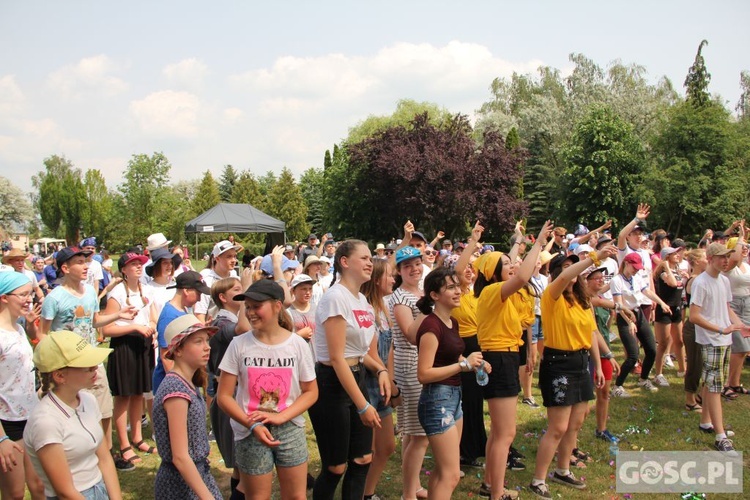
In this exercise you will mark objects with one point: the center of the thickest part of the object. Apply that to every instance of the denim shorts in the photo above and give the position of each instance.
(96, 492)
(255, 458)
(439, 407)
(536, 330)
(371, 381)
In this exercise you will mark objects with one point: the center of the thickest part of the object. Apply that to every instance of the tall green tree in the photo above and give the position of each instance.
(14, 205)
(247, 190)
(227, 182)
(327, 162)
(697, 80)
(604, 165)
(208, 195)
(266, 183)
(97, 207)
(285, 202)
(73, 203)
(49, 184)
(312, 187)
(143, 190)
(743, 105)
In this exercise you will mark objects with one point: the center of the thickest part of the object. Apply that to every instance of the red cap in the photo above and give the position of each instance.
(635, 260)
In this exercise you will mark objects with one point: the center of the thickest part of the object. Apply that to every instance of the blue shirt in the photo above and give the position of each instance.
(69, 312)
(168, 314)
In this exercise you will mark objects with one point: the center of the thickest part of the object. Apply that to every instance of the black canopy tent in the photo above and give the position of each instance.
(238, 218)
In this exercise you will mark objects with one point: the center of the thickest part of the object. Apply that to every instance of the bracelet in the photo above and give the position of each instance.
(256, 424)
(363, 410)
(281, 281)
(6, 437)
(592, 255)
(396, 395)
(380, 371)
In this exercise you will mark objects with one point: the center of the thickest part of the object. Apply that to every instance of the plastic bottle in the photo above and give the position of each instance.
(482, 377)
(614, 449)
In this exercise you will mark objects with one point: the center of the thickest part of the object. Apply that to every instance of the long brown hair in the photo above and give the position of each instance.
(371, 290)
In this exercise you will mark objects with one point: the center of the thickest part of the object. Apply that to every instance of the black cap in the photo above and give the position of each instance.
(68, 253)
(559, 259)
(191, 280)
(603, 241)
(417, 234)
(262, 290)
(678, 243)
(312, 236)
(719, 236)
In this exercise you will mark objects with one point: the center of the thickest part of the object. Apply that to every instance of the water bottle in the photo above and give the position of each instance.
(482, 377)
(614, 449)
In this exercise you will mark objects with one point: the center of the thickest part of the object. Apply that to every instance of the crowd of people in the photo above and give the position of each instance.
(332, 331)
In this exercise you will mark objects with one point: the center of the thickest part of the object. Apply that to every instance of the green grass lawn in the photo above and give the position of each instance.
(649, 421)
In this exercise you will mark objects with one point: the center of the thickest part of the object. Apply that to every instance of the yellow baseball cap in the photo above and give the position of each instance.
(67, 350)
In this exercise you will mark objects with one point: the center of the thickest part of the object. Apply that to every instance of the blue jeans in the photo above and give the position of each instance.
(96, 492)
(385, 339)
(439, 408)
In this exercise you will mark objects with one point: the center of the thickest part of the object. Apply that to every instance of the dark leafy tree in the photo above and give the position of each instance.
(327, 161)
(743, 105)
(49, 184)
(227, 182)
(697, 80)
(208, 195)
(246, 190)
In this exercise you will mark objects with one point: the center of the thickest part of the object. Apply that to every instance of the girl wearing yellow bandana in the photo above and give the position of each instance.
(498, 331)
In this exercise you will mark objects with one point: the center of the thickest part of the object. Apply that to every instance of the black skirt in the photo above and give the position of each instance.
(131, 365)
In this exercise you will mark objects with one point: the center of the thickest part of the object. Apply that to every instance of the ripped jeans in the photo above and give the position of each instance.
(439, 407)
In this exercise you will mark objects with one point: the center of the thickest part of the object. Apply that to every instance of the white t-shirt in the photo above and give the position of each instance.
(122, 294)
(739, 281)
(644, 273)
(209, 278)
(713, 296)
(95, 274)
(359, 317)
(539, 282)
(161, 295)
(630, 290)
(77, 429)
(612, 269)
(17, 393)
(30, 274)
(268, 376)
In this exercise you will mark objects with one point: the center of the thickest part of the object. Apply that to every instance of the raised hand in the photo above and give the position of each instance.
(545, 233)
(643, 210)
(476, 233)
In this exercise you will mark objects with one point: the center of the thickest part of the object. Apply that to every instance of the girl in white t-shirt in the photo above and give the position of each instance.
(273, 371)
(63, 437)
(17, 394)
(345, 332)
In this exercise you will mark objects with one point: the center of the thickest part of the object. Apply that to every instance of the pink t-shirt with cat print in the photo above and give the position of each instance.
(268, 376)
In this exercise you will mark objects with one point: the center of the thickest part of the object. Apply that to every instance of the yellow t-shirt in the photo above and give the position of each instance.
(566, 327)
(466, 315)
(524, 302)
(498, 322)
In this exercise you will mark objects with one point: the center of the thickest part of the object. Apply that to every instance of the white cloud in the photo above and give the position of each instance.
(91, 75)
(12, 99)
(188, 72)
(232, 115)
(168, 113)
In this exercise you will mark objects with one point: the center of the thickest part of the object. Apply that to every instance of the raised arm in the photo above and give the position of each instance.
(517, 239)
(465, 258)
(559, 284)
(640, 216)
(526, 269)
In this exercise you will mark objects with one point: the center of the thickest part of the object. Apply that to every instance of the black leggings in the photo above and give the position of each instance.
(474, 436)
(645, 335)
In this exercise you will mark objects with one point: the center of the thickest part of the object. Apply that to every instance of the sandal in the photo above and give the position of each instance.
(149, 449)
(739, 389)
(696, 407)
(728, 394)
(424, 494)
(582, 455)
(698, 399)
(577, 462)
(135, 459)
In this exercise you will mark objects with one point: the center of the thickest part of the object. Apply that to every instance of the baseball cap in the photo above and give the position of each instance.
(288, 248)
(678, 243)
(558, 261)
(407, 253)
(191, 280)
(66, 254)
(635, 260)
(719, 236)
(266, 265)
(181, 328)
(129, 257)
(603, 241)
(417, 234)
(88, 242)
(717, 250)
(591, 270)
(580, 230)
(261, 291)
(67, 349)
(666, 251)
(223, 246)
(312, 236)
(583, 248)
(302, 278)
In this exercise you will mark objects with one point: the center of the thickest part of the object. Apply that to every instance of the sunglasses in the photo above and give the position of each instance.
(389, 252)
(430, 252)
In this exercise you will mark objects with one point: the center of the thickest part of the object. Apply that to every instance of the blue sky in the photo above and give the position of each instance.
(266, 86)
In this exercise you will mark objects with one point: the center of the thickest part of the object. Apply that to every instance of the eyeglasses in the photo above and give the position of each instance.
(24, 295)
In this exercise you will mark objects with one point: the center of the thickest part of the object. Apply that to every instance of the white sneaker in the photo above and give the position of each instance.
(661, 381)
(646, 384)
(681, 374)
(613, 337)
(668, 362)
(619, 391)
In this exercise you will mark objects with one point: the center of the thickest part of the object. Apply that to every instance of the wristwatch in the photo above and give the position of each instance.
(464, 365)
